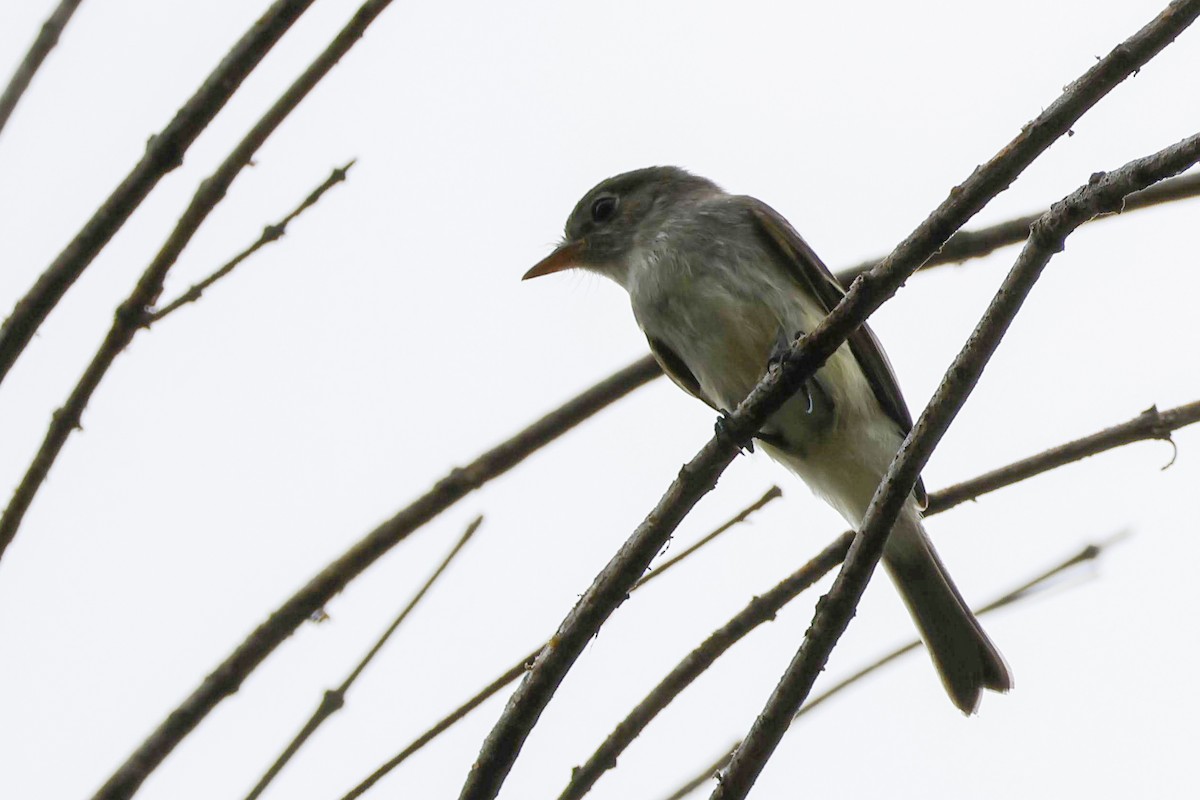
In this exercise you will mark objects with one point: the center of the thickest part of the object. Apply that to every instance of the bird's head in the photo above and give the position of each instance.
(617, 215)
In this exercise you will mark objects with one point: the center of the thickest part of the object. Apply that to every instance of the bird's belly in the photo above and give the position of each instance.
(726, 337)
(726, 341)
(724, 327)
(729, 354)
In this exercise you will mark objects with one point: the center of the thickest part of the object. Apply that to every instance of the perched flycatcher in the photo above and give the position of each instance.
(721, 284)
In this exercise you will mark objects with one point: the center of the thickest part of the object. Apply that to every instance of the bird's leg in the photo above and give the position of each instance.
(722, 429)
(811, 387)
(780, 350)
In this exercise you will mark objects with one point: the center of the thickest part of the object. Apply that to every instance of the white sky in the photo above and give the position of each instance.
(242, 444)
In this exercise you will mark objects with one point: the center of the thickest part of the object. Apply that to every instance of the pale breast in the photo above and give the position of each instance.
(722, 320)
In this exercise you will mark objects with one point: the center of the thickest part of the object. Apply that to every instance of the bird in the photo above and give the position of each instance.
(720, 285)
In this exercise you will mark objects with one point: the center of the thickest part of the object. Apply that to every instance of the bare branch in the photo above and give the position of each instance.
(228, 676)
(1088, 553)
(164, 152)
(1150, 424)
(270, 234)
(696, 478)
(968, 244)
(1102, 193)
(46, 40)
(773, 493)
(514, 672)
(761, 609)
(517, 669)
(333, 699)
(132, 313)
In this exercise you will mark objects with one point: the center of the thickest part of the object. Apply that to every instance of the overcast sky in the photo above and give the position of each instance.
(243, 443)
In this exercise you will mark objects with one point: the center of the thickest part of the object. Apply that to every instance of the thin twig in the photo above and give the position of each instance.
(164, 152)
(761, 609)
(132, 313)
(518, 669)
(227, 678)
(514, 672)
(269, 234)
(1088, 553)
(1150, 424)
(1102, 193)
(968, 244)
(46, 40)
(333, 699)
(869, 291)
(773, 493)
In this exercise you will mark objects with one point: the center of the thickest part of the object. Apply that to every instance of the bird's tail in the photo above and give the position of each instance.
(966, 659)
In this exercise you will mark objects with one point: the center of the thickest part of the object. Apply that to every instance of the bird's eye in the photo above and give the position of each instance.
(603, 208)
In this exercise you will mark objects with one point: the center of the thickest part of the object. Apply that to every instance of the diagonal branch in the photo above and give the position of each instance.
(164, 153)
(774, 493)
(1088, 553)
(68, 417)
(46, 41)
(228, 676)
(699, 476)
(1102, 193)
(762, 608)
(517, 669)
(271, 233)
(968, 244)
(333, 699)
(1150, 424)
(132, 313)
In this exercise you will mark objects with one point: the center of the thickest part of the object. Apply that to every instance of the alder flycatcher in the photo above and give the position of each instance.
(721, 284)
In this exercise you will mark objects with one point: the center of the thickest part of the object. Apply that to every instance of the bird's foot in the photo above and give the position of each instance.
(814, 393)
(818, 399)
(780, 350)
(722, 429)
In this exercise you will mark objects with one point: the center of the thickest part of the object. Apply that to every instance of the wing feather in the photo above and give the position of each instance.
(676, 370)
(808, 271)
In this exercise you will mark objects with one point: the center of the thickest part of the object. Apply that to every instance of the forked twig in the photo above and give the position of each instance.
(131, 314)
(270, 233)
(164, 152)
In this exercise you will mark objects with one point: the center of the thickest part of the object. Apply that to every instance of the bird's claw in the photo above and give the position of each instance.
(722, 429)
(779, 353)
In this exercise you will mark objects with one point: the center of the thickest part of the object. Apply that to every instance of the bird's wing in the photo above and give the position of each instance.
(676, 370)
(807, 269)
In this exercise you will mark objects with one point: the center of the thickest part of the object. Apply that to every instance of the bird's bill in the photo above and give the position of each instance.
(566, 256)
